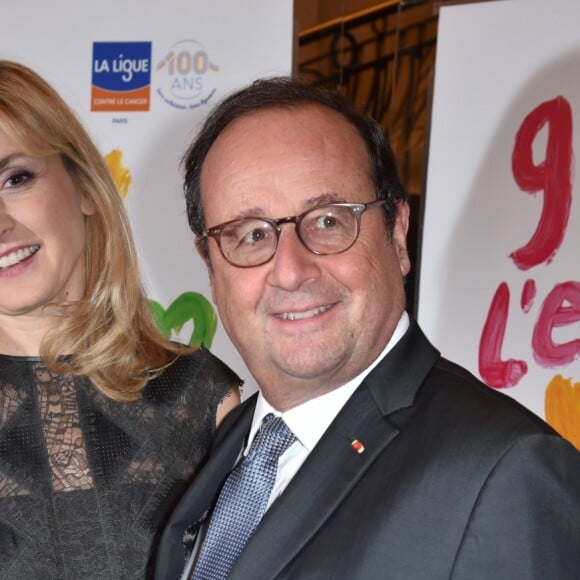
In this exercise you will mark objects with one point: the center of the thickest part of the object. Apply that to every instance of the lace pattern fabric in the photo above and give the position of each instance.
(86, 482)
(59, 413)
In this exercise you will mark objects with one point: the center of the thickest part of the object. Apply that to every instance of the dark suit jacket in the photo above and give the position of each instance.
(456, 481)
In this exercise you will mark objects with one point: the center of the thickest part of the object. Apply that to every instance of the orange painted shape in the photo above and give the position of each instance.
(562, 407)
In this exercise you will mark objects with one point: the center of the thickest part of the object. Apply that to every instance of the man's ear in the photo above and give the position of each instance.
(400, 230)
(202, 250)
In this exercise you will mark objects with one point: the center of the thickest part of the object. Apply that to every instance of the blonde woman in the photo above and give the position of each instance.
(102, 420)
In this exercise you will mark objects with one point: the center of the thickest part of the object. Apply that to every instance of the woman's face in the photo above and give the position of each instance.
(42, 232)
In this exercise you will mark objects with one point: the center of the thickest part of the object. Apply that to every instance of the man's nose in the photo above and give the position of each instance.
(293, 263)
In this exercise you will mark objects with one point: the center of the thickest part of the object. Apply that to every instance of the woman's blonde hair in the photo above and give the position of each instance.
(109, 335)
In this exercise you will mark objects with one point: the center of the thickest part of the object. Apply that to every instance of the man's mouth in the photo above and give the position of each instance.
(17, 256)
(305, 314)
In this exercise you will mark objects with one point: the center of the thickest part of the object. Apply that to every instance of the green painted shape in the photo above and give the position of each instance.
(187, 306)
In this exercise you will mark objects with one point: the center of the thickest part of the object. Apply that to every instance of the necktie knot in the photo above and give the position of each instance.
(273, 438)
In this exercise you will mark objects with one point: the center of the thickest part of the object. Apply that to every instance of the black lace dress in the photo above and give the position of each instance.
(85, 482)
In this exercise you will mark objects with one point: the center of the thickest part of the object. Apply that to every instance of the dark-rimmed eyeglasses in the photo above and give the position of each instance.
(327, 229)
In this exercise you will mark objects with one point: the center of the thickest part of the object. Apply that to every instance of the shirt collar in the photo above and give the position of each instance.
(310, 420)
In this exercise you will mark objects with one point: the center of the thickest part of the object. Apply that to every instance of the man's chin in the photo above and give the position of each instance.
(308, 364)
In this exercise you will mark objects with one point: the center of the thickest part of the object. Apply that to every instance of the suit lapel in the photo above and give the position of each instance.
(334, 467)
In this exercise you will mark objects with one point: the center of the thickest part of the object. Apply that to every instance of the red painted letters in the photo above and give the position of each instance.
(553, 176)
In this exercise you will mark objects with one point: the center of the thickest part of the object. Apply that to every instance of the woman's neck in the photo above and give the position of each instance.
(23, 335)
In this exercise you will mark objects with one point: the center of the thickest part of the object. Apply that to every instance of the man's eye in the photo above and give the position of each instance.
(254, 237)
(325, 222)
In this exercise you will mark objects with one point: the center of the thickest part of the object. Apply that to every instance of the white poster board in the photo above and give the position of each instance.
(142, 75)
(499, 279)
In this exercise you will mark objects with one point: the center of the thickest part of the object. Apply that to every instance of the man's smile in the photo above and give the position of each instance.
(304, 314)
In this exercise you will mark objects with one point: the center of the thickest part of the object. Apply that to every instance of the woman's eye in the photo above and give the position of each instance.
(17, 178)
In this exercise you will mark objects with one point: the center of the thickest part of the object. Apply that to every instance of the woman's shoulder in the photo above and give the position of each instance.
(198, 373)
(202, 361)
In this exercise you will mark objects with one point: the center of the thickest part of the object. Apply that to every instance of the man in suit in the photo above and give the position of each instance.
(404, 466)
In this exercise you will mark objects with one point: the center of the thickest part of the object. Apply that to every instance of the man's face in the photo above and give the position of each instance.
(344, 307)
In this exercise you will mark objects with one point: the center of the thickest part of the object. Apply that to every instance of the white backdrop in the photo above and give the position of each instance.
(499, 290)
(181, 57)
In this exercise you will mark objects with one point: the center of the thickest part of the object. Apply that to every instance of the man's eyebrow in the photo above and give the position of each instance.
(323, 199)
(250, 213)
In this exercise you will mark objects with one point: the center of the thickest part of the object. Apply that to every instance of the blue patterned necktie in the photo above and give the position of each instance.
(242, 501)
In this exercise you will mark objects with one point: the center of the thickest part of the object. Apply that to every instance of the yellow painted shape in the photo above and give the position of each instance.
(121, 174)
